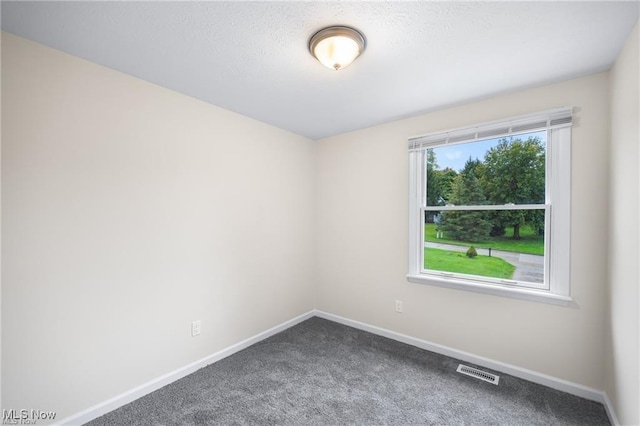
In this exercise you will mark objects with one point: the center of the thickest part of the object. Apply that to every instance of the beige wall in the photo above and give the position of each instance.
(362, 241)
(129, 211)
(623, 356)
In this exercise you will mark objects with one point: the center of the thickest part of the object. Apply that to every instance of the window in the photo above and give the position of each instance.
(490, 207)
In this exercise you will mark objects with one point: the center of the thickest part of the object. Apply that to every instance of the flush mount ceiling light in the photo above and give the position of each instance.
(336, 47)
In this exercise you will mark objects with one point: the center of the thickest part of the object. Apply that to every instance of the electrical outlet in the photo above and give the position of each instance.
(195, 328)
(399, 306)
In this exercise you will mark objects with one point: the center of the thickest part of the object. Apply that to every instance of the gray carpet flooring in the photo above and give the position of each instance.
(323, 373)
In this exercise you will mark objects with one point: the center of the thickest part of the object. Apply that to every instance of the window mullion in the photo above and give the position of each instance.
(488, 207)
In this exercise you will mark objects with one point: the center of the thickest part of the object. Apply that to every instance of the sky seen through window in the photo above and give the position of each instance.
(455, 156)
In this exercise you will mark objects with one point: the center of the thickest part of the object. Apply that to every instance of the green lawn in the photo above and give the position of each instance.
(453, 261)
(531, 243)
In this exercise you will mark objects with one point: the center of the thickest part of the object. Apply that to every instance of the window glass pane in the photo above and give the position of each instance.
(508, 244)
(489, 172)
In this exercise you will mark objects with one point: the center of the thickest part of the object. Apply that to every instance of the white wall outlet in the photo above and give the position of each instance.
(195, 328)
(398, 305)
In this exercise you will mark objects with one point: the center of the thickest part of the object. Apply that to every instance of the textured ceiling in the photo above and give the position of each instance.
(252, 58)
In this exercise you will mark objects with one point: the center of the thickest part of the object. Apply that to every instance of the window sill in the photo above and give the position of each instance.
(515, 293)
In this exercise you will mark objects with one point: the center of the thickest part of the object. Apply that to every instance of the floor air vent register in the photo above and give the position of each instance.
(478, 374)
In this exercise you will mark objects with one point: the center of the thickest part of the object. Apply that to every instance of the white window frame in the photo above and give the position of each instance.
(556, 289)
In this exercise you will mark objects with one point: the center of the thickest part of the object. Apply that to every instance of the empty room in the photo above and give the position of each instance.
(320, 213)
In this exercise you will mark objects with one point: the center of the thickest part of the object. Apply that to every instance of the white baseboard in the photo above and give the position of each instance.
(523, 373)
(610, 411)
(155, 384)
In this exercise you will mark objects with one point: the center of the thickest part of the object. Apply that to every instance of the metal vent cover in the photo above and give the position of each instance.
(478, 374)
